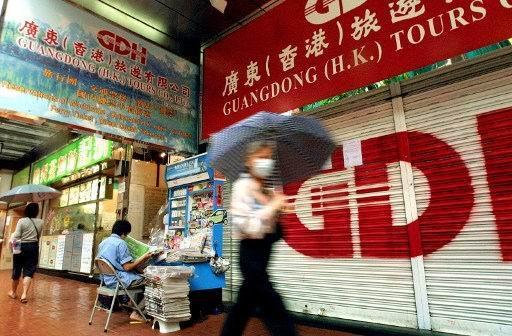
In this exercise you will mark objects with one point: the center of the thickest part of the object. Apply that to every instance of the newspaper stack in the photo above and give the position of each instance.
(167, 293)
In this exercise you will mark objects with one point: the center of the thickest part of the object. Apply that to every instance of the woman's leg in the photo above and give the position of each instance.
(27, 281)
(239, 315)
(14, 288)
(31, 257)
(274, 314)
(17, 266)
(250, 261)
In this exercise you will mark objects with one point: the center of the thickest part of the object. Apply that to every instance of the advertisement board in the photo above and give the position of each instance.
(62, 63)
(303, 51)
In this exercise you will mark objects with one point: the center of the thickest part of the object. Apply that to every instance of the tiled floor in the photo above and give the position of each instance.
(61, 307)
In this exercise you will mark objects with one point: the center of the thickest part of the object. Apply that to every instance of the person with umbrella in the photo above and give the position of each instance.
(28, 231)
(266, 148)
(25, 239)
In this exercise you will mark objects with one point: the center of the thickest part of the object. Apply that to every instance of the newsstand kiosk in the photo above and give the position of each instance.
(194, 227)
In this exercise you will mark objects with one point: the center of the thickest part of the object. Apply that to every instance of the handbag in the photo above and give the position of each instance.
(35, 227)
(15, 245)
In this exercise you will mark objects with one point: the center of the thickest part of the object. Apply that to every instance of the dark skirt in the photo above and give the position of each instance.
(26, 261)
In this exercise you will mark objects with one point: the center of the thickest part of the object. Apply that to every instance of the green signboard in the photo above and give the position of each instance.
(22, 177)
(79, 154)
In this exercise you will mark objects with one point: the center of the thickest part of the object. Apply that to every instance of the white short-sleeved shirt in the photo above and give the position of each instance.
(26, 229)
(250, 219)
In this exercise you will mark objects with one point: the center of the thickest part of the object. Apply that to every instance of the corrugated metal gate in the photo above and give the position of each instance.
(414, 236)
(469, 284)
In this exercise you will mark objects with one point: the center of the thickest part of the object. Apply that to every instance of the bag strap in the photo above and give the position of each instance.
(35, 227)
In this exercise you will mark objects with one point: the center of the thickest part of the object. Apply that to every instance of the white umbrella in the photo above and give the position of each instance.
(29, 193)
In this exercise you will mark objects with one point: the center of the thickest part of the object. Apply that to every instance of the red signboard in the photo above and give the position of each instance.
(303, 51)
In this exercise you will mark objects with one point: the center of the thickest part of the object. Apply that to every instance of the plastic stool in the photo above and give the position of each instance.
(166, 327)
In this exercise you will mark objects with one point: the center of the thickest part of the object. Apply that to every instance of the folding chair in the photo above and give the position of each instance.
(106, 268)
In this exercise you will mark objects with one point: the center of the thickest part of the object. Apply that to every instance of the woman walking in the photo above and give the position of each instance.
(28, 231)
(255, 211)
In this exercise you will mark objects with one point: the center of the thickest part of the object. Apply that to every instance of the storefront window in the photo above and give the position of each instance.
(73, 218)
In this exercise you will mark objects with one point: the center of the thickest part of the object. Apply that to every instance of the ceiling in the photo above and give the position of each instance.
(24, 139)
(180, 26)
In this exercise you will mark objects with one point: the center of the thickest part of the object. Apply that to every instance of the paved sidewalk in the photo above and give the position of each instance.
(62, 307)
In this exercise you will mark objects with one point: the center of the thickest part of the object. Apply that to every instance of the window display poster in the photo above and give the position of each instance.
(52, 255)
(87, 245)
(103, 186)
(94, 190)
(59, 257)
(74, 195)
(85, 192)
(64, 198)
(45, 252)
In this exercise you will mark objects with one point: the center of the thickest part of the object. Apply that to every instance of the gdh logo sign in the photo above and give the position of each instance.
(122, 46)
(448, 204)
(321, 11)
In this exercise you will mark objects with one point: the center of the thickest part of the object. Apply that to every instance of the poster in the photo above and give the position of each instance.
(87, 246)
(59, 257)
(62, 63)
(352, 153)
(64, 198)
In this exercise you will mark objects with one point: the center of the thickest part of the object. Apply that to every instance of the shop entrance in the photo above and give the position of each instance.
(86, 169)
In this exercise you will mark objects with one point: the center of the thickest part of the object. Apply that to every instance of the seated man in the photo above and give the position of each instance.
(115, 250)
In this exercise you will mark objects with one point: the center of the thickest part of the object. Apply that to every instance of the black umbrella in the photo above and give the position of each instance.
(303, 145)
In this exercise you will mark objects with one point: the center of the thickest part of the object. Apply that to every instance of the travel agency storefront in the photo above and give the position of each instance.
(409, 224)
(119, 97)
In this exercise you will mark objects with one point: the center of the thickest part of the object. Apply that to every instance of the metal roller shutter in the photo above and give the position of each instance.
(446, 195)
(343, 275)
(469, 284)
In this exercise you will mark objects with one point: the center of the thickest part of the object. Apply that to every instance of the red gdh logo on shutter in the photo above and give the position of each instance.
(451, 201)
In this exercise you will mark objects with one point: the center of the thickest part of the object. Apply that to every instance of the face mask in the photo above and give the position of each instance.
(263, 167)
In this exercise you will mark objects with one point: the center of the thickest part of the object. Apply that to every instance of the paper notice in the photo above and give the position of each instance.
(121, 187)
(352, 154)
(327, 164)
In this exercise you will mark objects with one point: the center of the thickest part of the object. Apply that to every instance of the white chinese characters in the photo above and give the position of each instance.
(406, 9)
(252, 74)
(231, 86)
(317, 44)
(364, 26)
(287, 57)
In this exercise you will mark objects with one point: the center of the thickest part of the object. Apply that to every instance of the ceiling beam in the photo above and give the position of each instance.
(11, 134)
(24, 141)
(49, 146)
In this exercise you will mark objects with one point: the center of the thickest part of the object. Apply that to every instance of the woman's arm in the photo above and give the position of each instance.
(254, 221)
(17, 233)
